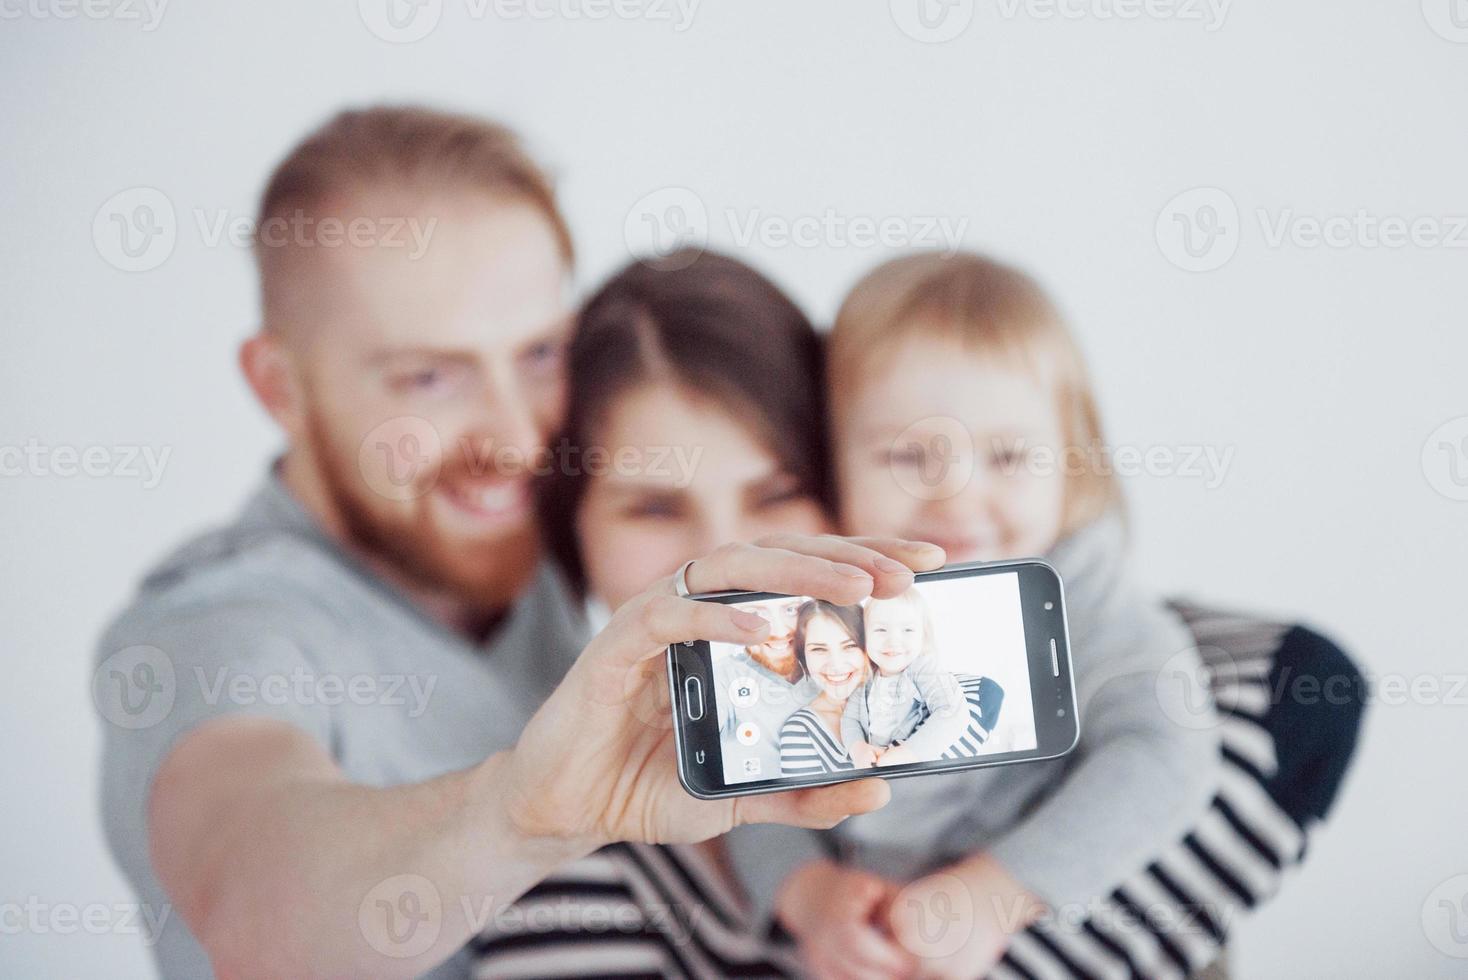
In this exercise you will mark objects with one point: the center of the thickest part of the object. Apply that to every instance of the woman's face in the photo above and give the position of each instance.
(833, 658)
(681, 477)
(941, 444)
(894, 634)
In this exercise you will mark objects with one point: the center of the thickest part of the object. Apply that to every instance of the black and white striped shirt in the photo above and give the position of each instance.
(1283, 760)
(807, 747)
(631, 910)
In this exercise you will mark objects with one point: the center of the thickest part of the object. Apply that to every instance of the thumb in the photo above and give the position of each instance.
(820, 807)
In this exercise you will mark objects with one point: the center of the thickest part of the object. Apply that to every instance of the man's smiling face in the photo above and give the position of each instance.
(430, 383)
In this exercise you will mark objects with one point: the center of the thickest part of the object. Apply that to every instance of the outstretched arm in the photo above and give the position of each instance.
(281, 866)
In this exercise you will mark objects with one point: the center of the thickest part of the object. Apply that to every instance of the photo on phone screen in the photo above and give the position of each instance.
(940, 676)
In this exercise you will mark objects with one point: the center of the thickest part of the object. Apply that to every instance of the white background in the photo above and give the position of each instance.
(979, 628)
(1324, 370)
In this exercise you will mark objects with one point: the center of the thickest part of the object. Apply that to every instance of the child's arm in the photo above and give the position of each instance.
(854, 732)
(1146, 767)
(947, 710)
(852, 729)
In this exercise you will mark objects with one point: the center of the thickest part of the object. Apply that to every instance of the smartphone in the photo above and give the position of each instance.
(967, 669)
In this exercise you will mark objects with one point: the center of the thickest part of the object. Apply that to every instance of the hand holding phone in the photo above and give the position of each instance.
(596, 763)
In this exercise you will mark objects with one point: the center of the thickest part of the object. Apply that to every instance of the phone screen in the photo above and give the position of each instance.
(939, 673)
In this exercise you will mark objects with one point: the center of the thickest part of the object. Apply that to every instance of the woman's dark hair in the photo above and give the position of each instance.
(849, 617)
(713, 327)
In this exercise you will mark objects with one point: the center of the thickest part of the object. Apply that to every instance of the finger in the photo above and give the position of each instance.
(890, 561)
(749, 568)
(820, 807)
(876, 953)
(644, 627)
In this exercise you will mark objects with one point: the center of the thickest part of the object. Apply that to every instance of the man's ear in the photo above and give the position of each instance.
(267, 367)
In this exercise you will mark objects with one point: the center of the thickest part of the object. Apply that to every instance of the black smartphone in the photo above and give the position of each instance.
(969, 668)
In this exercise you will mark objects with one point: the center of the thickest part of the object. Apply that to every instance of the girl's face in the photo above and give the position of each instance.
(894, 635)
(942, 444)
(833, 658)
(676, 479)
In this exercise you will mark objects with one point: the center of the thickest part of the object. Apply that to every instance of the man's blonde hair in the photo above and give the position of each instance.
(991, 309)
(386, 147)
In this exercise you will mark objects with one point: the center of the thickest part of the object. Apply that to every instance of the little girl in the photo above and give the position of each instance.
(962, 415)
(910, 709)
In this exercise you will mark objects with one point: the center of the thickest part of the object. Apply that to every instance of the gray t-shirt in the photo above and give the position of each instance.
(748, 692)
(266, 617)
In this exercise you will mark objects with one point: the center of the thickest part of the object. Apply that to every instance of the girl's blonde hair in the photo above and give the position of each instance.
(991, 309)
(913, 598)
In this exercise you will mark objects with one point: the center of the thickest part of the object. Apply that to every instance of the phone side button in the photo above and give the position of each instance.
(693, 692)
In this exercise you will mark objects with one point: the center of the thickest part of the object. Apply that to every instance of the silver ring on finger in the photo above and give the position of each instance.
(680, 581)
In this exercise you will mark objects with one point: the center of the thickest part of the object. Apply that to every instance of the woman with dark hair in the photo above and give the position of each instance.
(828, 646)
(696, 417)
